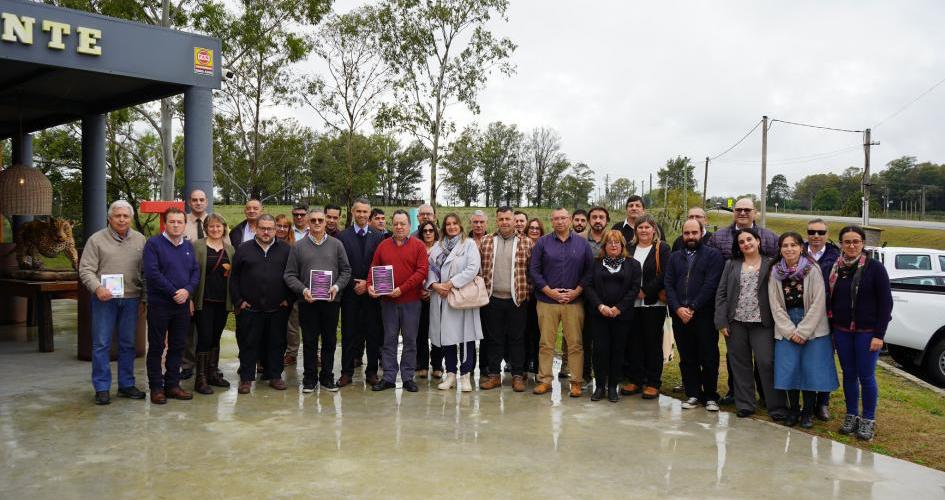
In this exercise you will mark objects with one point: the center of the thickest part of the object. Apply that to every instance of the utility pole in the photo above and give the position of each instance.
(886, 202)
(923, 204)
(865, 187)
(764, 169)
(705, 182)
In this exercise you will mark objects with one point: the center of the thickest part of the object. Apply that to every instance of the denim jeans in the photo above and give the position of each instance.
(120, 314)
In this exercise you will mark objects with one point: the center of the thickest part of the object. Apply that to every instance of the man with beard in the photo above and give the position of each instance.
(579, 222)
(599, 218)
(692, 277)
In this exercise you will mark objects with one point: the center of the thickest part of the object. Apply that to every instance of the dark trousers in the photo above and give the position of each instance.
(751, 349)
(400, 319)
(532, 335)
(698, 343)
(794, 402)
(211, 320)
(261, 335)
(427, 354)
(644, 352)
(318, 320)
(360, 325)
(463, 354)
(506, 338)
(610, 343)
(166, 324)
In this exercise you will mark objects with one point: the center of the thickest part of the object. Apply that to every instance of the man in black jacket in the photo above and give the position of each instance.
(360, 314)
(825, 253)
(261, 302)
(635, 208)
(244, 231)
(695, 213)
(692, 278)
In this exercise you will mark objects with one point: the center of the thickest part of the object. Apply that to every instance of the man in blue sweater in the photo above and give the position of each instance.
(691, 280)
(171, 274)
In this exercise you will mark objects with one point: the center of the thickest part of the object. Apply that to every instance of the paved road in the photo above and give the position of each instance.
(920, 224)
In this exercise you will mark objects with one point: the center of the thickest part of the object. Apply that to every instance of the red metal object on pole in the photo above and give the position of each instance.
(159, 207)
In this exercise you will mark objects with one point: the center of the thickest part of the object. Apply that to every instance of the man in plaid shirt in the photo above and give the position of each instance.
(505, 259)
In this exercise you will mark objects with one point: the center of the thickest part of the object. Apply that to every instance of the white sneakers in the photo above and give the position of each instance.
(448, 382)
(464, 384)
(690, 403)
(711, 406)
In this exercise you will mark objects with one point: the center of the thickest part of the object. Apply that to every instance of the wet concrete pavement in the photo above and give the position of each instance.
(54, 442)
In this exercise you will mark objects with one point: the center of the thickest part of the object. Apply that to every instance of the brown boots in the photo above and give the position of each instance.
(201, 375)
(214, 375)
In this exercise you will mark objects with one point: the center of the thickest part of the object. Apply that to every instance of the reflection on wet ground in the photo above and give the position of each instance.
(356, 443)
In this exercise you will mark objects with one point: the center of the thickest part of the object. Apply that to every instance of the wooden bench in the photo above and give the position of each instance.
(40, 295)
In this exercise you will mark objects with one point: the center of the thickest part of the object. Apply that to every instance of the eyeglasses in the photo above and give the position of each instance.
(299, 214)
(428, 231)
(743, 210)
(818, 232)
(851, 243)
(316, 221)
(533, 228)
(616, 243)
(265, 229)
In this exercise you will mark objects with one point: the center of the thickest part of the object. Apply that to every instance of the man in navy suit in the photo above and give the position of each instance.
(360, 314)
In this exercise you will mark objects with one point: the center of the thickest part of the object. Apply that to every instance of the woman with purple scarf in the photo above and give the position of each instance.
(803, 352)
(860, 308)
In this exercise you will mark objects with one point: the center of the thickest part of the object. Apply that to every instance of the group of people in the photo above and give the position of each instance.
(783, 305)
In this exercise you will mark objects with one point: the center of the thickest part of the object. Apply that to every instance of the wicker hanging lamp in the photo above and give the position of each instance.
(25, 191)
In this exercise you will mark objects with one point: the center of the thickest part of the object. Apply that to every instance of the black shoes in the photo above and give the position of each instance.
(383, 385)
(729, 399)
(851, 423)
(131, 392)
(613, 394)
(329, 385)
(744, 413)
(790, 420)
(102, 398)
(186, 373)
(822, 413)
(410, 386)
(598, 393)
(807, 421)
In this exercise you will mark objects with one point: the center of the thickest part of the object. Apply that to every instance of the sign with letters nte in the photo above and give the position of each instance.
(22, 29)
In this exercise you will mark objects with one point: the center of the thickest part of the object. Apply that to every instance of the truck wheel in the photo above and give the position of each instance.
(902, 355)
(935, 363)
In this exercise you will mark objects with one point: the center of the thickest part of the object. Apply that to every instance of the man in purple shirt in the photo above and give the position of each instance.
(559, 262)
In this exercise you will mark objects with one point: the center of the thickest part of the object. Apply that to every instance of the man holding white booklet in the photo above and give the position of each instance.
(317, 271)
(111, 270)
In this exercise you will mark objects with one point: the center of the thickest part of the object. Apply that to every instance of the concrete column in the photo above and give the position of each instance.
(198, 142)
(94, 204)
(21, 154)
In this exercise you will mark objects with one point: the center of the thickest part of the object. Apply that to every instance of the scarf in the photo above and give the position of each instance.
(613, 265)
(844, 269)
(448, 244)
(781, 271)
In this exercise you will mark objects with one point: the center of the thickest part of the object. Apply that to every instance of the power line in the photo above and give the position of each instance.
(733, 146)
(910, 103)
(821, 127)
(799, 159)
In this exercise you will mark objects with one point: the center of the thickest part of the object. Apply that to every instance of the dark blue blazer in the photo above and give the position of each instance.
(360, 260)
(693, 287)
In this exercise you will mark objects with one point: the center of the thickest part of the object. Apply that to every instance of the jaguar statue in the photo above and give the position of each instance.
(48, 238)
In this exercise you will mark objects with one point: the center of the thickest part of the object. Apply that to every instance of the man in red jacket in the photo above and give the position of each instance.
(400, 309)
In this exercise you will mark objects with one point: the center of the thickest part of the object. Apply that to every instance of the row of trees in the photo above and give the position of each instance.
(903, 182)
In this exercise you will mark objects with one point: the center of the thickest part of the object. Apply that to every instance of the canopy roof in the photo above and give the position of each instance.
(57, 65)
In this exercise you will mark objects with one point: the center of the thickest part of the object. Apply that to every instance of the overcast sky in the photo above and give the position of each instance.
(630, 84)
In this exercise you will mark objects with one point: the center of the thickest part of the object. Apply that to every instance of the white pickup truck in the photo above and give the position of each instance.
(906, 261)
(916, 335)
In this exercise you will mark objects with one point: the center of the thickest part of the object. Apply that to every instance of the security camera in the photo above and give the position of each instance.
(228, 74)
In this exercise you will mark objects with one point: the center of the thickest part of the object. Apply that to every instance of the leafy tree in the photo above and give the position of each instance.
(401, 171)
(827, 199)
(544, 147)
(333, 182)
(778, 190)
(617, 193)
(460, 165)
(442, 53)
(575, 188)
(356, 77)
(499, 153)
(679, 173)
(262, 42)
